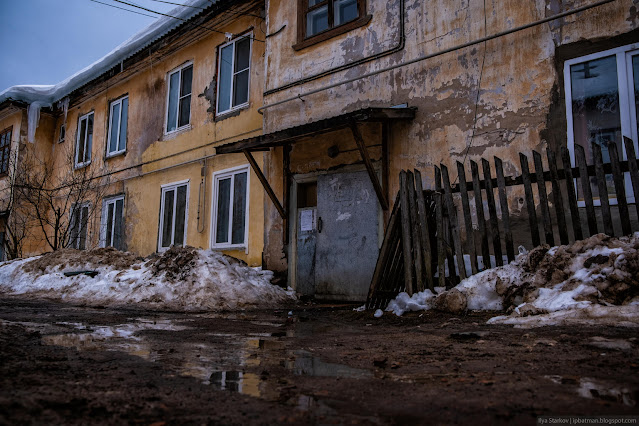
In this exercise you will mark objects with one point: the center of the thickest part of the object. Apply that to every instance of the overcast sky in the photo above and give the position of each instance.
(45, 41)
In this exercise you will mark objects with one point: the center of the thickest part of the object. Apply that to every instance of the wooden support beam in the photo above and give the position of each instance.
(286, 181)
(385, 158)
(369, 166)
(265, 183)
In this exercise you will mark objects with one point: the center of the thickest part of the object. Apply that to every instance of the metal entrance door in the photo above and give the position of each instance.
(347, 236)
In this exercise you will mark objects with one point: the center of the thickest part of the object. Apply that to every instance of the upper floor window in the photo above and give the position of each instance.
(230, 208)
(234, 64)
(62, 133)
(178, 114)
(84, 140)
(321, 19)
(602, 103)
(118, 113)
(5, 150)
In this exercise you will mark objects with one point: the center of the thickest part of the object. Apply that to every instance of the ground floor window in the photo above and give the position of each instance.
(78, 226)
(112, 222)
(230, 208)
(173, 214)
(602, 100)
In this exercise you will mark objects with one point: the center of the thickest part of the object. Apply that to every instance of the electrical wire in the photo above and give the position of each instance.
(121, 8)
(469, 145)
(179, 19)
(178, 4)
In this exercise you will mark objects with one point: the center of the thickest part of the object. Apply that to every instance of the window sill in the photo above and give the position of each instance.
(115, 154)
(333, 32)
(173, 133)
(232, 112)
(237, 247)
(81, 165)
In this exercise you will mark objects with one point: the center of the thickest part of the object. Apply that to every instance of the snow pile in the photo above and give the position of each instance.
(179, 279)
(590, 281)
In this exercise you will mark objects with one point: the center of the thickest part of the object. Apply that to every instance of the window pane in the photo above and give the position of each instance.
(87, 152)
(242, 54)
(73, 234)
(124, 121)
(226, 74)
(117, 230)
(635, 77)
(187, 76)
(84, 222)
(167, 218)
(345, 11)
(109, 225)
(171, 122)
(239, 208)
(223, 205)
(240, 88)
(180, 215)
(185, 111)
(595, 109)
(314, 2)
(115, 121)
(317, 21)
(81, 139)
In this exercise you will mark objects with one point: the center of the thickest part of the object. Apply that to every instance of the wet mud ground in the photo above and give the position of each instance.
(63, 364)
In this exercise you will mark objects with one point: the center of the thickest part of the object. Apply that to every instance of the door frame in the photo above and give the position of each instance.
(297, 179)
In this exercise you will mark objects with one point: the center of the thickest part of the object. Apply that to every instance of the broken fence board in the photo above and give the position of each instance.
(602, 186)
(633, 169)
(620, 189)
(543, 199)
(558, 197)
(425, 231)
(454, 224)
(530, 201)
(406, 232)
(468, 222)
(416, 233)
(580, 157)
(481, 220)
(572, 195)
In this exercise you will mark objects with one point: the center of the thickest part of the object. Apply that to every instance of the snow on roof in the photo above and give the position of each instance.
(48, 94)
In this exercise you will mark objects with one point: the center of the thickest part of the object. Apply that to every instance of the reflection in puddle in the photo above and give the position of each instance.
(247, 363)
(305, 364)
(592, 388)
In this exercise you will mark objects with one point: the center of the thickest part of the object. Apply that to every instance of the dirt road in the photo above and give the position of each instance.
(61, 364)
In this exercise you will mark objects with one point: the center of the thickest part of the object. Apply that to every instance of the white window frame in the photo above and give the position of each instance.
(111, 106)
(75, 244)
(217, 176)
(168, 93)
(103, 220)
(627, 111)
(62, 132)
(79, 165)
(165, 188)
(219, 70)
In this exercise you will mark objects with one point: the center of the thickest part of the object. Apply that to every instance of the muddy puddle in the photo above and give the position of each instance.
(225, 360)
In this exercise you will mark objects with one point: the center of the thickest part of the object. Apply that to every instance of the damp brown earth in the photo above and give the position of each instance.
(313, 364)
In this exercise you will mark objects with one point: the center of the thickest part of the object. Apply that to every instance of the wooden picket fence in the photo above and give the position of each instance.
(423, 245)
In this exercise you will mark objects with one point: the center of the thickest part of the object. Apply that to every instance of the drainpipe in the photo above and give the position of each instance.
(441, 52)
(400, 46)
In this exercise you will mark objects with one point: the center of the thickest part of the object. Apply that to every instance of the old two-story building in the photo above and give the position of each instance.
(357, 90)
(143, 123)
(281, 141)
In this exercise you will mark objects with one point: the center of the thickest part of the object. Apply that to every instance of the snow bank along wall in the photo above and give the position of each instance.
(519, 77)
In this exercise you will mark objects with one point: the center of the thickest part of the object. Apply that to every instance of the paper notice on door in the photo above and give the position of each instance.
(307, 220)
